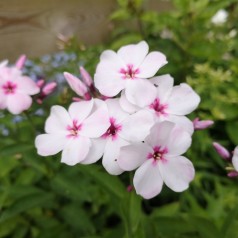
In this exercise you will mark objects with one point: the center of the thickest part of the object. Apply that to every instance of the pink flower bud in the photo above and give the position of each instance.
(40, 83)
(76, 84)
(222, 151)
(75, 99)
(87, 96)
(129, 188)
(203, 124)
(232, 174)
(20, 62)
(86, 76)
(49, 88)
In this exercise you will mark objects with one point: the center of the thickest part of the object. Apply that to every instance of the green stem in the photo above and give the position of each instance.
(33, 128)
(132, 212)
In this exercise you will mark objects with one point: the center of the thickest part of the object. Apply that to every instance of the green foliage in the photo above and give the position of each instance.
(42, 198)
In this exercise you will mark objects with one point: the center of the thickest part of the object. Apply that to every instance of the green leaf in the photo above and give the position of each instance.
(25, 203)
(131, 213)
(232, 130)
(205, 227)
(229, 228)
(14, 149)
(111, 183)
(169, 226)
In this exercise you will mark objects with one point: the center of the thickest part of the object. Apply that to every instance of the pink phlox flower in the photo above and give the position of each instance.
(202, 124)
(128, 68)
(166, 102)
(123, 130)
(15, 89)
(77, 86)
(222, 151)
(74, 132)
(45, 89)
(159, 160)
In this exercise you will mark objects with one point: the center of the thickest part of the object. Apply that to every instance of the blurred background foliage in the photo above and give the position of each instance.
(39, 197)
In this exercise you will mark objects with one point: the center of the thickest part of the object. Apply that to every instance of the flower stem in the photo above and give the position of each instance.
(33, 128)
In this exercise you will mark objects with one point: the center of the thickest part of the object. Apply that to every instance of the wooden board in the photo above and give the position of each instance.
(32, 26)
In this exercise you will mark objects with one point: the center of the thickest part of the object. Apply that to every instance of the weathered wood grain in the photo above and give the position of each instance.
(32, 26)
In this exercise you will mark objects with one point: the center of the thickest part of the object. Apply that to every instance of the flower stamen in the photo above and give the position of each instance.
(129, 72)
(74, 129)
(9, 87)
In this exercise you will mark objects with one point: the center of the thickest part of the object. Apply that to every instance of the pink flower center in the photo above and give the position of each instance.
(129, 72)
(158, 154)
(9, 87)
(160, 109)
(74, 129)
(113, 130)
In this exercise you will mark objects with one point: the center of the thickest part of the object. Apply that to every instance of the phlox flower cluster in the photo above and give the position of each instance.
(130, 118)
(16, 89)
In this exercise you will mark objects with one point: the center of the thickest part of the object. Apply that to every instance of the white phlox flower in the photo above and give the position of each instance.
(159, 160)
(73, 131)
(123, 130)
(167, 102)
(128, 68)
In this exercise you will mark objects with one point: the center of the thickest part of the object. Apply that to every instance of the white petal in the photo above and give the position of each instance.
(111, 154)
(137, 126)
(140, 92)
(132, 156)
(75, 150)
(50, 144)
(126, 105)
(177, 173)
(96, 151)
(115, 110)
(183, 122)
(107, 78)
(178, 142)
(110, 61)
(147, 180)
(26, 85)
(151, 64)
(109, 83)
(159, 134)
(183, 100)
(18, 102)
(96, 124)
(134, 54)
(235, 158)
(58, 120)
(80, 110)
(164, 85)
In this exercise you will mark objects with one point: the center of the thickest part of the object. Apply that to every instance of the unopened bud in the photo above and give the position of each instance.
(20, 62)
(49, 88)
(232, 174)
(76, 84)
(222, 151)
(129, 188)
(86, 76)
(40, 83)
(203, 124)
